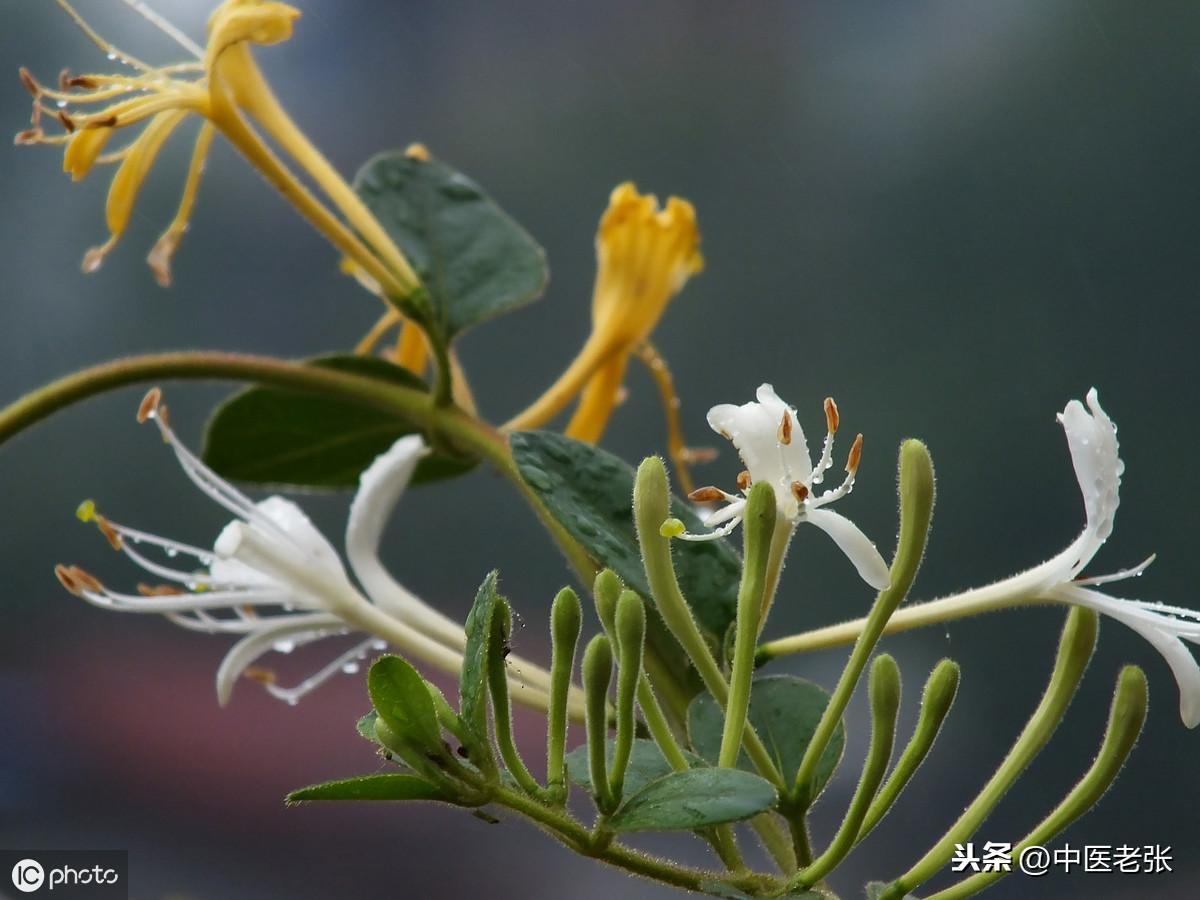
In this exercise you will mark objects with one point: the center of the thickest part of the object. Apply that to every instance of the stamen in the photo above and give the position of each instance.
(63, 574)
(855, 456)
(258, 674)
(31, 85)
(346, 662)
(105, 47)
(149, 405)
(831, 416)
(64, 80)
(85, 580)
(28, 136)
(80, 81)
(706, 495)
(159, 258)
(94, 258)
(743, 480)
(110, 533)
(66, 122)
(785, 429)
(799, 491)
(106, 122)
(159, 590)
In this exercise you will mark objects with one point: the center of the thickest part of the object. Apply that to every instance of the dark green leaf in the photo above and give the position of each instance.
(266, 435)
(784, 711)
(474, 260)
(589, 491)
(646, 764)
(370, 787)
(473, 690)
(697, 798)
(399, 695)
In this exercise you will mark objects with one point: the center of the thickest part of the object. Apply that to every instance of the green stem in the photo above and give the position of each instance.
(884, 691)
(579, 838)
(939, 693)
(916, 512)
(758, 526)
(1074, 650)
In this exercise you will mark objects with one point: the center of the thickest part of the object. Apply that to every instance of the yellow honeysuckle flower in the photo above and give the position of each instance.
(225, 88)
(645, 254)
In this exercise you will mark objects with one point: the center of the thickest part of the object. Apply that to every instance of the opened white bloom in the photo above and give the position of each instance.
(771, 443)
(1092, 438)
(274, 579)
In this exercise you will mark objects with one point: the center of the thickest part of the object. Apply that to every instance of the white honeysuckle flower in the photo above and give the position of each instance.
(274, 579)
(1092, 438)
(771, 443)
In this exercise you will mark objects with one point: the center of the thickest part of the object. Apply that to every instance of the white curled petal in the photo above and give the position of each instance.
(1154, 629)
(852, 542)
(300, 530)
(1092, 439)
(795, 455)
(724, 514)
(243, 654)
(754, 430)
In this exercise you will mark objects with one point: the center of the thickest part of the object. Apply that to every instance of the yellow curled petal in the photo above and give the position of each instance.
(236, 21)
(123, 191)
(82, 150)
(644, 257)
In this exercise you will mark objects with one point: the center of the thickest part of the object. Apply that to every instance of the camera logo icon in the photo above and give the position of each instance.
(28, 875)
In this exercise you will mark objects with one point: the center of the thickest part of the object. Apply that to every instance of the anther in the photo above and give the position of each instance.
(93, 259)
(107, 122)
(66, 122)
(262, 676)
(706, 495)
(698, 455)
(82, 81)
(159, 590)
(855, 456)
(63, 574)
(799, 491)
(831, 416)
(86, 581)
(419, 152)
(106, 529)
(149, 405)
(28, 136)
(743, 480)
(785, 428)
(64, 80)
(30, 83)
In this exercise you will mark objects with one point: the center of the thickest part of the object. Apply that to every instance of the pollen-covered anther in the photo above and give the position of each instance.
(64, 576)
(785, 429)
(159, 590)
(85, 580)
(743, 480)
(799, 491)
(149, 406)
(262, 676)
(30, 82)
(82, 81)
(106, 122)
(831, 416)
(706, 495)
(28, 136)
(855, 456)
(66, 122)
(111, 534)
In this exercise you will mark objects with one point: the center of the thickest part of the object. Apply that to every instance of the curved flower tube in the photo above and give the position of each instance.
(273, 578)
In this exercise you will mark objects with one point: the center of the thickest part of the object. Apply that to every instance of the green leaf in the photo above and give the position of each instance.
(399, 695)
(719, 889)
(473, 689)
(267, 435)
(784, 711)
(366, 726)
(646, 764)
(370, 787)
(474, 261)
(697, 798)
(589, 491)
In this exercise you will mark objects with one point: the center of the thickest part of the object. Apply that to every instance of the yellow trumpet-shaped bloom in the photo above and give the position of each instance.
(644, 254)
(224, 87)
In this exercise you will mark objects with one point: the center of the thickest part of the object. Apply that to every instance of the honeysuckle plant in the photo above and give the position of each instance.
(668, 718)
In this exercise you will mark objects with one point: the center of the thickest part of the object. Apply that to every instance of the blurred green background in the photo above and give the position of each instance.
(952, 217)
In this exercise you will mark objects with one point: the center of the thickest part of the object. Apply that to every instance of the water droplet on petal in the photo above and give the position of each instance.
(284, 646)
(350, 668)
